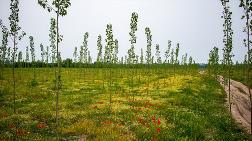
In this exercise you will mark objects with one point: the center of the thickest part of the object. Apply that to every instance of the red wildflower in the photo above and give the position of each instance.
(158, 122)
(158, 130)
(41, 126)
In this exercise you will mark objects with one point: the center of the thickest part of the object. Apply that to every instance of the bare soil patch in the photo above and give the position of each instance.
(240, 102)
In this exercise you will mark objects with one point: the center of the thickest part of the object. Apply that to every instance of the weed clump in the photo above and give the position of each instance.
(32, 83)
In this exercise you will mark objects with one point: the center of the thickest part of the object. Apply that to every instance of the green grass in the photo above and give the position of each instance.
(181, 106)
(240, 74)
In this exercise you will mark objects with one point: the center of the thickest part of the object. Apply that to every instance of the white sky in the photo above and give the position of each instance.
(195, 24)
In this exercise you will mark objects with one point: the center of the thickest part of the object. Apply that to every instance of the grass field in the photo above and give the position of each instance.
(240, 74)
(164, 106)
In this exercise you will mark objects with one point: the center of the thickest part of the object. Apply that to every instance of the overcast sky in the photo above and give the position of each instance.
(195, 24)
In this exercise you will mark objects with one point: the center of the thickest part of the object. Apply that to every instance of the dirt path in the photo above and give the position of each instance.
(240, 103)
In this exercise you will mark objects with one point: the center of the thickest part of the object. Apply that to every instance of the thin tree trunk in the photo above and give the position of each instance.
(13, 74)
(2, 75)
(110, 85)
(248, 69)
(57, 76)
(132, 81)
(228, 67)
(103, 78)
(229, 99)
(139, 76)
(34, 67)
(148, 78)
